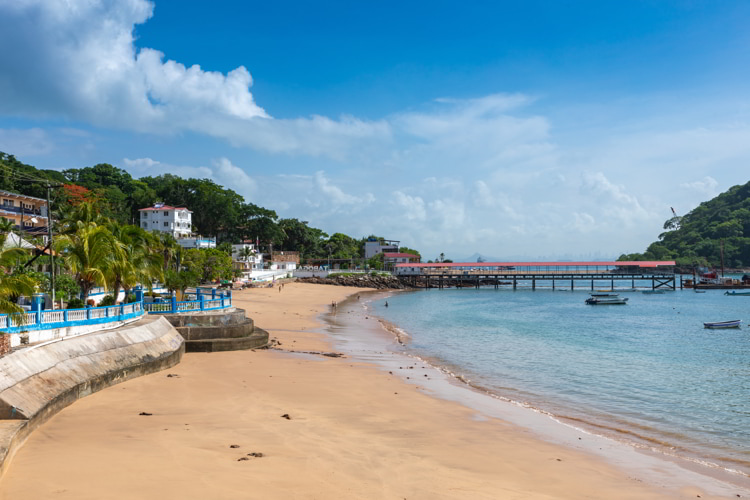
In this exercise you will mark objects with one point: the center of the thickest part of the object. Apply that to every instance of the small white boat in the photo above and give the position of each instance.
(724, 324)
(606, 299)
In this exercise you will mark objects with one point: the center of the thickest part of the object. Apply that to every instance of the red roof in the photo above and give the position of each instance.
(644, 263)
(164, 207)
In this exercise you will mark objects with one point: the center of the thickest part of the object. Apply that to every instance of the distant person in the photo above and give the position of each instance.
(386, 303)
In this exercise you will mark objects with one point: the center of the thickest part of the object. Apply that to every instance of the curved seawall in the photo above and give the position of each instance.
(38, 382)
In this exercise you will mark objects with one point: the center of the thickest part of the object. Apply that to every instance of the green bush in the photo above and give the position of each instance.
(108, 300)
(75, 304)
(130, 298)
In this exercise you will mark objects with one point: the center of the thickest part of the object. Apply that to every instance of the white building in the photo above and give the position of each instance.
(246, 260)
(176, 221)
(374, 246)
(197, 242)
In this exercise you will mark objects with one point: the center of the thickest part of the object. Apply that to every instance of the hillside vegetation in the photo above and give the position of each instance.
(696, 239)
(217, 211)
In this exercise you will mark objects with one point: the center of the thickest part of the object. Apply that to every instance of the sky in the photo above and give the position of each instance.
(516, 130)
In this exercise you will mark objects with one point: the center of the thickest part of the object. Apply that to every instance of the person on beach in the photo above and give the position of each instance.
(386, 303)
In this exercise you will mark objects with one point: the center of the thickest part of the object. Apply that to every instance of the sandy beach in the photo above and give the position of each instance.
(326, 427)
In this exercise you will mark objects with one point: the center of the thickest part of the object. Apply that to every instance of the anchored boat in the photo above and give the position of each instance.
(733, 292)
(724, 324)
(601, 299)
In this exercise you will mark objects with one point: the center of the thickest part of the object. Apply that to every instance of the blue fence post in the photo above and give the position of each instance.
(174, 302)
(202, 300)
(213, 293)
(65, 315)
(222, 301)
(198, 294)
(122, 309)
(138, 294)
(36, 306)
(88, 311)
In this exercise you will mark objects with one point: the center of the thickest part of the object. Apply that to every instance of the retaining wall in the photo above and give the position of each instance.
(39, 381)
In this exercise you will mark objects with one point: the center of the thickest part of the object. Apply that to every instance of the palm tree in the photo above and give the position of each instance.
(139, 261)
(89, 253)
(11, 287)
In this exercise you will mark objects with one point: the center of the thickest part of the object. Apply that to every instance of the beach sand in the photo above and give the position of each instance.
(353, 431)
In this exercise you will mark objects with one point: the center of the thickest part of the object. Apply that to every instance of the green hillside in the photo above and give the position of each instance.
(697, 238)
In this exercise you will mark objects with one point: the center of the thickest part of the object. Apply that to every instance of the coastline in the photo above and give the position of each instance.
(650, 464)
(354, 429)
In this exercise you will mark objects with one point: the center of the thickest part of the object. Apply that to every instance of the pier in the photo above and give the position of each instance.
(659, 274)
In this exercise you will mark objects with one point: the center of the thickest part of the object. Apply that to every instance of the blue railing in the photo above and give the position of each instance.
(207, 300)
(63, 318)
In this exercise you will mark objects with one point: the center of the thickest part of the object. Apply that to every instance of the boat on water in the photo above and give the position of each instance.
(652, 292)
(724, 324)
(609, 299)
(734, 292)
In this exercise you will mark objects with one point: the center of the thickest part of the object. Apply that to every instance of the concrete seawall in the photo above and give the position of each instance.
(38, 382)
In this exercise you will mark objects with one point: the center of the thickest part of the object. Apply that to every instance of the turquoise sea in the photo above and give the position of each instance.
(646, 373)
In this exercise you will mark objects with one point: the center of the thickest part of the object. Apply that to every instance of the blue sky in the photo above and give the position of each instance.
(512, 129)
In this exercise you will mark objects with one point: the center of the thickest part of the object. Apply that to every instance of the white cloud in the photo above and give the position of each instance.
(76, 59)
(707, 186)
(26, 142)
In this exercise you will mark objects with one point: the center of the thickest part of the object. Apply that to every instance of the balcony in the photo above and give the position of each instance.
(26, 211)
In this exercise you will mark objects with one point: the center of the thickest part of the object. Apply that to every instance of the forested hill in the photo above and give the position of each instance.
(217, 211)
(697, 237)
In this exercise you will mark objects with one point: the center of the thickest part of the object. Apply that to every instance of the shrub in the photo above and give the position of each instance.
(108, 300)
(75, 304)
(130, 298)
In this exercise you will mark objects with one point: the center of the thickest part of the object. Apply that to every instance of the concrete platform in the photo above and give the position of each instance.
(214, 331)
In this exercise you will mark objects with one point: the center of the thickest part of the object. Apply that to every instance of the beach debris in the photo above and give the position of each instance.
(255, 454)
(234, 446)
(170, 375)
(242, 459)
(145, 413)
(333, 354)
(286, 416)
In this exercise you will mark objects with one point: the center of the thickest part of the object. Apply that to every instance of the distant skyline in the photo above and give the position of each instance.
(522, 130)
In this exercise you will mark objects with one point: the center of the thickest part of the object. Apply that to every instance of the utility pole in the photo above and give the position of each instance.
(51, 251)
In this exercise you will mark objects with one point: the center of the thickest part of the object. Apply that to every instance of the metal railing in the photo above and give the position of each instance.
(62, 318)
(207, 300)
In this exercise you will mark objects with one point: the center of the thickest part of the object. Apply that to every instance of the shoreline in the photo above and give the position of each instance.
(354, 430)
(621, 453)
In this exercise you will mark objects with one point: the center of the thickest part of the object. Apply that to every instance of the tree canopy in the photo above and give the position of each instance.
(697, 238)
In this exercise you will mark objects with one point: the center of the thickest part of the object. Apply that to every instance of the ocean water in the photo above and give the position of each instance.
(647, 373)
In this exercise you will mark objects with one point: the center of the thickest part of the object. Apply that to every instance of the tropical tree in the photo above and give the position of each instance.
(89, 253)
(12, 286)
(132, 261)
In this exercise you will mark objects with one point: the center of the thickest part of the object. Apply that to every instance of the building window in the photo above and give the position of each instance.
(145, 224)
(144, 215)
(166, 224)
(8, 203)
(166, 213)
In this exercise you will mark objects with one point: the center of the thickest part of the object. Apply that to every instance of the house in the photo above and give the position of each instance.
(288, 261)
(374, 246)
(26, 212)
(176, 221)
(390, 259)
(246, 258)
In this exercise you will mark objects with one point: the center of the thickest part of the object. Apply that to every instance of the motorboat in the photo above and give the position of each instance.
(602, 299)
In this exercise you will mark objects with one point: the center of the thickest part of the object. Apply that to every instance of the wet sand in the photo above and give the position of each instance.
(326, 428)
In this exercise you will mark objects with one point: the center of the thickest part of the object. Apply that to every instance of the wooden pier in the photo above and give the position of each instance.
(568, 275)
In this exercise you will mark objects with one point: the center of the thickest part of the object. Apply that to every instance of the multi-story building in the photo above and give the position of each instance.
(246, 258)
(24, 211)
(197, 242)
(374, 246)
(176, 221)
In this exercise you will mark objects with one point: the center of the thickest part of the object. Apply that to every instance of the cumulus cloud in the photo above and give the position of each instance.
(76, 59)
(707, 186)
(25, 142)
(222, 171)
